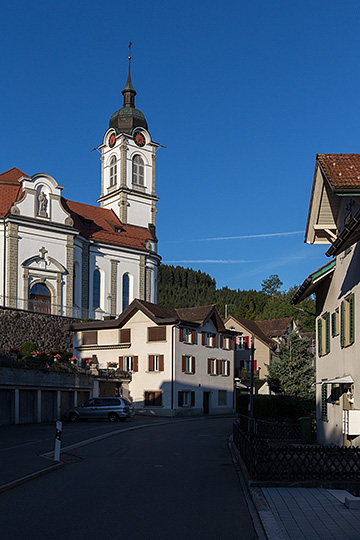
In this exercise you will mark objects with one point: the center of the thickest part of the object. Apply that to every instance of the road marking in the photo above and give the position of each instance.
(50, 455)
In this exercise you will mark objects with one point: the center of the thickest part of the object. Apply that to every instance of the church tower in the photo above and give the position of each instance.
(128, 164)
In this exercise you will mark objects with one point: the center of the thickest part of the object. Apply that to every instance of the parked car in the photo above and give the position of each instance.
(112, 408)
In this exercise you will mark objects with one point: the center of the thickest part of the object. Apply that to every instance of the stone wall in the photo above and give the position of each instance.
(46, 331)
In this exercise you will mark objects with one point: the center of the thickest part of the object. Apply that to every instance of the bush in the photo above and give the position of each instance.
(278, 407)
(26, 349)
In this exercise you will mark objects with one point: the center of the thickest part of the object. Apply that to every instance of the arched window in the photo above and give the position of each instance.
(113, 171)
(138, 170)
(125, 291)
(96, 289)
(40, 298)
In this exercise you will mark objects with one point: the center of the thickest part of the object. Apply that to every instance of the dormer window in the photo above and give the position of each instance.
(138, 171)
(113, 171)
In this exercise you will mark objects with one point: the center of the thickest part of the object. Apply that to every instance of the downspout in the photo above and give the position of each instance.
(4, 270)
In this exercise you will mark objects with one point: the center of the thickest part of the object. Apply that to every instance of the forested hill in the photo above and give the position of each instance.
(183, 287)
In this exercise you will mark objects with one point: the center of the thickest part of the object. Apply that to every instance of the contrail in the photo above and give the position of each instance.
(242, 237)
(212, 261)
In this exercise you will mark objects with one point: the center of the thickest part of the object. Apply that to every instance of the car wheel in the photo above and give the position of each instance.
(73, 417)
(113, 417)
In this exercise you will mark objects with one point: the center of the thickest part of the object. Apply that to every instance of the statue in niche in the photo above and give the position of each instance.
(42, 204)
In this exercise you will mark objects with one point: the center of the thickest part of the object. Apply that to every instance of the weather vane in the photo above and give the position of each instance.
(130, 43)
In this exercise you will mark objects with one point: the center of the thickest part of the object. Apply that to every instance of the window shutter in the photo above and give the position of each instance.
(246, 341)
(193, 399)
(328, 332)
(214, 340)
(193, 364)
(342, 324)
(125, 335)
(333, 324)
(255, 365)
(352, 319)
(228, 367)
(161, 362)
(193, 336)
(209, 366)
(221, 341)
(319, 328)
(180, 399)
(203, 338)
(231, 343)
(121, 363)
(218, 367)
(183, 363)
(151, 362)
(135, 363)
(181, 334)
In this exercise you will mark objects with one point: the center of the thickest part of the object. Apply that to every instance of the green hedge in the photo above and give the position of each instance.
(276, 407)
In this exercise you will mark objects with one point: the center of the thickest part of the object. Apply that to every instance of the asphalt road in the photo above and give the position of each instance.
(168, 481)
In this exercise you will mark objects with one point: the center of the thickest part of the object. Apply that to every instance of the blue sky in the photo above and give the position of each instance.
(243, 94)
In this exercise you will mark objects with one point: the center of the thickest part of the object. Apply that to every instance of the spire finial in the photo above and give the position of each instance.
(129, 92)
(129, 46)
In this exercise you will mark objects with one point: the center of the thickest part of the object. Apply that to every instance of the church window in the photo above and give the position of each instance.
(113, 171)
(138, 171)
(40, 298)
(96, 288)
(125, 291)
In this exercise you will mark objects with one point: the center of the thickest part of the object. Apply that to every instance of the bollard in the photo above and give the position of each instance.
(58, 440)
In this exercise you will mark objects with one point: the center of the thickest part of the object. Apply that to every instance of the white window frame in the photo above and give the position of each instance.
(138, 176)
(189, 364)
(213, 366)
(156, 362)
(187, 335)
(186, 398)
(113, 171)
(128, 363)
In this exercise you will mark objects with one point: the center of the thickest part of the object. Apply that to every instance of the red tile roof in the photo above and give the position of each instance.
(10, 189)
(275, 327)
(341, 170)
(103, 225)
(93, 222)
(255, 329)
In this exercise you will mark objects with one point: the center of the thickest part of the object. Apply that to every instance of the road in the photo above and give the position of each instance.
(167, 481)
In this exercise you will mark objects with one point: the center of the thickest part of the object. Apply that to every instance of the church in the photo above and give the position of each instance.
(73, 259)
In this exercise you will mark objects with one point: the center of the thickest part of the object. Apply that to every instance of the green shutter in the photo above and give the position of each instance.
(327, 319)
(352, 319)
(333, 324)
(319, 336)
(342, 324)
(324, 403)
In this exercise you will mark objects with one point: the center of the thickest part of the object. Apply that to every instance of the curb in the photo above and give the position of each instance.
(270, 528)
(31, 476)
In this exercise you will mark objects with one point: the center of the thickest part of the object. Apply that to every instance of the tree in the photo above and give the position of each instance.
(293, 372)
(271, 285)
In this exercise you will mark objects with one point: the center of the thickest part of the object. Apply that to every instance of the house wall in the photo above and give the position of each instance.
(339, 361)
(171, 380)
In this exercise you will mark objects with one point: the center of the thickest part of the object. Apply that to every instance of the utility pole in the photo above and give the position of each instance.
(251, 397)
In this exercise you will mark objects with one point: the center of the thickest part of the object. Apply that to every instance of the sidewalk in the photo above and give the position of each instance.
(291, 513)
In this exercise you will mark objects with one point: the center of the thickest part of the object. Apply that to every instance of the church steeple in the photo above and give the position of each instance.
(129, 92)
(128, 117)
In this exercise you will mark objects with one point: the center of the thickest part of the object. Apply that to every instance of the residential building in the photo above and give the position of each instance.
(74, 259)
(181, 361)
(334, 220)
(251, 340)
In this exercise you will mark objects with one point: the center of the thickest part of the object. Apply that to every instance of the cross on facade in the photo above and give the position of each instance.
(42, 252)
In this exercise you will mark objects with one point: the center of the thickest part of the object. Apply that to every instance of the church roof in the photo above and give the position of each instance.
(10, 189)
(103, 225)
(93, 222)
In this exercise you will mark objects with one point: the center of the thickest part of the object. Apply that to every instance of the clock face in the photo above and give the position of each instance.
(139, 138)
(112, 140)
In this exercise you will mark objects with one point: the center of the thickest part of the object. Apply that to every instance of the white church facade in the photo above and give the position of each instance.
(73, 259)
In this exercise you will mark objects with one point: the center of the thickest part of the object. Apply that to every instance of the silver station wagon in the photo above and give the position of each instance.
(110, 408)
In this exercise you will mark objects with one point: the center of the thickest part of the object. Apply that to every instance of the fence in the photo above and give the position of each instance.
(46, 306)
(272, 461)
